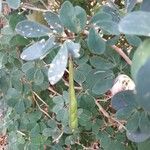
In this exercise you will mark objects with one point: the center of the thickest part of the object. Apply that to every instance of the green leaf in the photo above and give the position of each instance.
(73, 48)
(96, 75)
(145, 5)
(79, 77)
(130, 4)
(47, 132)
(123, 99)
(35, 130)
(108, 143)
(84, 118)
(58, 65)
(54, 21)
(34, 116)
(13, 4)
(38, 49)
(38, 77)
(87, 102)
(70, 140)
(143, 86)
(15, 18)
(137, 136)
(128, 25)
(63, 116)
(20, 107)
(141, 55)
(133, 122)
(144, 145)
(32, 29)
(100, 16)
(27, 66)
(124, 113)
(1, 59)
(102, 86)
(37, 140)
(133, 40)
(52, 124)
(12, 97)
(19, 40)
(144, 123)
(73, 18)
(95, 43)
(101, 63)
(16, 76)
(4, 81)
(109, 26)
(111, 11)
(7, 33)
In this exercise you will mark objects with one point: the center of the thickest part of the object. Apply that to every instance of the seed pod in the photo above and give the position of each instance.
(73, 119)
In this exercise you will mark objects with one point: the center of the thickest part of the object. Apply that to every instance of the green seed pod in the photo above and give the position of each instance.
(73, 118)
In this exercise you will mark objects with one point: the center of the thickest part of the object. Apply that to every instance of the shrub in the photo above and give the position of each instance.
(58, 62)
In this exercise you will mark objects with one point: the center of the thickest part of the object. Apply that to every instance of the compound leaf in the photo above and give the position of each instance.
(73, 18)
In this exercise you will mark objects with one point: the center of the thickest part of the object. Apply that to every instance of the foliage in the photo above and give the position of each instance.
(56, 74)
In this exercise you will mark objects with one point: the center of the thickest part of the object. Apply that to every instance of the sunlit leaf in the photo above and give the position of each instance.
(32, 29)
(13, 4)
(54, 21)
(58, 65)
(73, 48)
(136, 23)
(38, 49)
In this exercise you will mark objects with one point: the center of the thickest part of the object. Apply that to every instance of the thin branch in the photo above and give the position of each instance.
(53, 91)
(84, 147)
(121, 53)
(58, 138)
(23, 134)
(41, 108)
(27, 6)
(67, 84)
(102, 110)
(40, 98)
(43, 3)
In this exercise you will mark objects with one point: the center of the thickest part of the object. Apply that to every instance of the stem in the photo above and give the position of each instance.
(121, 53)
(73, 119)
(110, 118)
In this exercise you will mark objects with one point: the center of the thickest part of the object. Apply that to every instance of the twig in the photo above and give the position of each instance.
(102, 110)
(58, 138)
(43, 3)
(67, 84)
(41, 108)
(53, 91)
(40, 98)
(121, 53)
(117, 49)
(26, 6)
(21, 133)
(84, 147)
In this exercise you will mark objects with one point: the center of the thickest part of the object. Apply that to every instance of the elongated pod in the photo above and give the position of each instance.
(73, 118)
